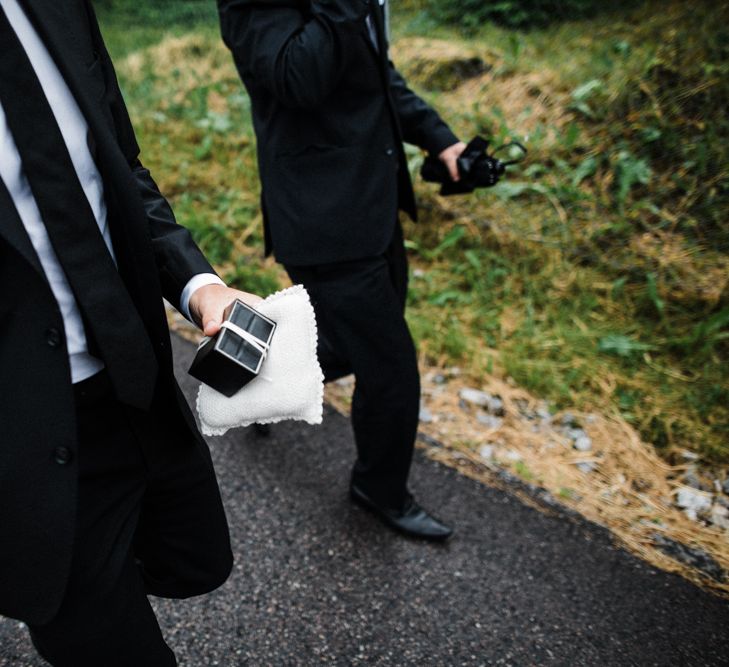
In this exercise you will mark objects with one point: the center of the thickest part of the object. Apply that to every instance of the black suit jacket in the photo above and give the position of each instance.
(330, 113)
(156, 257)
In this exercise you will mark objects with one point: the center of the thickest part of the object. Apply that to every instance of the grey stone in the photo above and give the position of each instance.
(583, 443)
(586, 466)
(694, 500)
(569, 420)
(487, 452)
(496, 406)
(689, 456)
(691, 514)
(696, 558)
(439, 379)
(720, 517)
(720, 522)
(725, 486)
(690, 479)
(489, 421)
(426, 416)
(475, 396)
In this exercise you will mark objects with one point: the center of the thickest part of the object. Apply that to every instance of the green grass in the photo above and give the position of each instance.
(129, 26)
(592, 276)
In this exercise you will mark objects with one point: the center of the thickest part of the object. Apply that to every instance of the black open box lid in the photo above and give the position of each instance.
(228, 362)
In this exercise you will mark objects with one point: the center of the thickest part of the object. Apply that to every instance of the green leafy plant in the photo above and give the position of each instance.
(622, 346)
(583, 93)
(515, 13)
(629, 171)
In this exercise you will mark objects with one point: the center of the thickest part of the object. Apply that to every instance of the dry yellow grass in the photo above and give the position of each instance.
(187, 61)
(631, 490)
(530, 100)
(700, 279)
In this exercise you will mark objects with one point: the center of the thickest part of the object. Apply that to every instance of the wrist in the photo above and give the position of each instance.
(200, 296)
(196, 283)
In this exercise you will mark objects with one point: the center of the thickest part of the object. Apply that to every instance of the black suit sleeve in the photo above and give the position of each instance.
(298, 57)
(176, 255)
(419, 122)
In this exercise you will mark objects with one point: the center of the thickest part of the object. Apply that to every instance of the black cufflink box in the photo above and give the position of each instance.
(227, 361)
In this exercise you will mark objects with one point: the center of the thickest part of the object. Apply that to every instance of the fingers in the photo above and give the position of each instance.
(452, 165)
(250, 299)
(210, 304)
(450, 156)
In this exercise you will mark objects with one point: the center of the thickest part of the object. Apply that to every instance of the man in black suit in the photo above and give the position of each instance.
(331, 113)
(107, 489)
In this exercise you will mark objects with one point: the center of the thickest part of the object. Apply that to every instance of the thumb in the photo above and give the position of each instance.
(211, 327)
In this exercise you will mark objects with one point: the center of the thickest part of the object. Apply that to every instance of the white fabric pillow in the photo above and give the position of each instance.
(290, 384)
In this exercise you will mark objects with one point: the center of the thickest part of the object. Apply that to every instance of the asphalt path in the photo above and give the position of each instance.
(320, 581)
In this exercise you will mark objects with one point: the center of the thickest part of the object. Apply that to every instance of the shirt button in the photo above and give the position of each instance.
(389, 151)
(53, 337)
(62, 455)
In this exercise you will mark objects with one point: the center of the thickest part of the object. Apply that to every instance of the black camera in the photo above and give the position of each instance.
(478, 168)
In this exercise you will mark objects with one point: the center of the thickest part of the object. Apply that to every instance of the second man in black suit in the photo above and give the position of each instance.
(331, 114)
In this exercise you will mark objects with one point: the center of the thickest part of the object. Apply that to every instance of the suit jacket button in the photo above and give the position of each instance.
(53, 337)
(389, 151)
(62, 455)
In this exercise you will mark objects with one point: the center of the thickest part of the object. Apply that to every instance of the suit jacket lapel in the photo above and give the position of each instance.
(13, 230)
(378, 18)
(11, 226)
(379, 22)
(52, 25)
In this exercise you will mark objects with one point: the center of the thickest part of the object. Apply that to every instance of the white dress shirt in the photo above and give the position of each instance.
(75, 130)
(371, 25)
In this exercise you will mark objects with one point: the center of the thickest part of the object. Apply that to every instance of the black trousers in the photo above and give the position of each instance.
(362, 330)
(149, 521)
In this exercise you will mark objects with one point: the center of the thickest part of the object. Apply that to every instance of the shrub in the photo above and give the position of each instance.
(514, 13)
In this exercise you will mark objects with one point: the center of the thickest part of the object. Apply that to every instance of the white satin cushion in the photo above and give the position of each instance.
(290, 384)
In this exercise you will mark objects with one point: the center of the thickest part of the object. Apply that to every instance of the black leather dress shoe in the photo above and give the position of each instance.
(413, 520)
